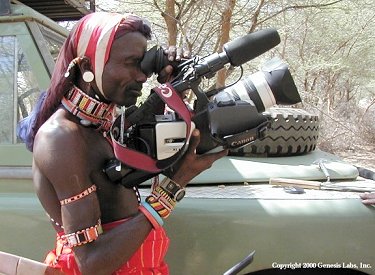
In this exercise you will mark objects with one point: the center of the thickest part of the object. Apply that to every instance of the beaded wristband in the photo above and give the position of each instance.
(167, 205)
(151, 215)
(158, 206)
(160, 192)
(167, 201)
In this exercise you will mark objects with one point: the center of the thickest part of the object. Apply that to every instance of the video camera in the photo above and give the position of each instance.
(230, 117)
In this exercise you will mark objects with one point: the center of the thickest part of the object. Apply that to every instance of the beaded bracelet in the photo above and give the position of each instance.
(161, 201)
(151, 215)
(159, 194)
(158, 207)
(166, 204)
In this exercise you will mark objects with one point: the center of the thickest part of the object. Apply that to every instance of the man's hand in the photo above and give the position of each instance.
(193, 164)
(173, 54)
(368, 198)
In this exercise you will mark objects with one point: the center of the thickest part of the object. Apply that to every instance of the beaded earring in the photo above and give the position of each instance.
(71, 65)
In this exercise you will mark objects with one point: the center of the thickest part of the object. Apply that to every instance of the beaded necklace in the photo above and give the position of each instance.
(90, 111)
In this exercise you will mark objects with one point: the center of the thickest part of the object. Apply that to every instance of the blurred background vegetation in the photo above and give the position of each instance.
(328, 44)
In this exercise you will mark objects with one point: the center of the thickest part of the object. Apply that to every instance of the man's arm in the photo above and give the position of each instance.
(61, 155)
(368, 198)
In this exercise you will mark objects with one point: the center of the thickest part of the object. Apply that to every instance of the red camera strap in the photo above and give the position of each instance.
(142, 161)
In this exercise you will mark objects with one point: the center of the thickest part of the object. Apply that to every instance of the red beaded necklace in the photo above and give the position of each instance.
(91, 111)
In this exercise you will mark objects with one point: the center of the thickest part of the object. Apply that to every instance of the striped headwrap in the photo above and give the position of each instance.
(94, 41)
(93, 36)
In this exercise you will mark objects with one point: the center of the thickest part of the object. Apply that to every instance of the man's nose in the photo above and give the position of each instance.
(141, 77)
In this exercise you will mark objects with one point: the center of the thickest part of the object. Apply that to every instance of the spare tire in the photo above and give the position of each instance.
(292, 132)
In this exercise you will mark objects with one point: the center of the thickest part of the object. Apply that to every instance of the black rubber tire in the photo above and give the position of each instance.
(292, 132)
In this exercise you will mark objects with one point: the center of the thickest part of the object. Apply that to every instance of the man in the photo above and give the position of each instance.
(101, 226)
(368, 198)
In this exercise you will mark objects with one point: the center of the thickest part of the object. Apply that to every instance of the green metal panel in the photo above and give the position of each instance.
(208, 236)
(25, 229)
(23, 12)
(253, 169)
(15, 155)
(17, 28)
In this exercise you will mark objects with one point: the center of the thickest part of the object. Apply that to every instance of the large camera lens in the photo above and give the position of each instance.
(272, 85)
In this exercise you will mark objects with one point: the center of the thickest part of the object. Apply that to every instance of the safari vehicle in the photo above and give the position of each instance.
(228, 212)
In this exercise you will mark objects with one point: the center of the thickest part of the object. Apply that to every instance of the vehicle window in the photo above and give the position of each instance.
(19, 89)
(24, 74)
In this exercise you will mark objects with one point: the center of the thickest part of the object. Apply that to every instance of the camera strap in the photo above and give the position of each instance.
(142, 161)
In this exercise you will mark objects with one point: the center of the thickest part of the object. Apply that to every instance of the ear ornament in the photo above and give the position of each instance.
(71, 65)
(88, 76)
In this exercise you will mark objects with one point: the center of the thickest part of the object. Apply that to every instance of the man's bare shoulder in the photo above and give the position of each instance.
(61, 151)
(57, 132)
(61, 141)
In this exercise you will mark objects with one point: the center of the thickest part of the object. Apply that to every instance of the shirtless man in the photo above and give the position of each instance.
(101, 226)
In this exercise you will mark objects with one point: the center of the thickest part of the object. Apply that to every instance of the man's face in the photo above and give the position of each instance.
(122, 77)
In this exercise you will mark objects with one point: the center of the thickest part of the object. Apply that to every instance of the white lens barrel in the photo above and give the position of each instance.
(263, 89)
(242, 92)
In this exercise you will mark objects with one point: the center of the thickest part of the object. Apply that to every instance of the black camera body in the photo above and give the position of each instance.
(222, 125)
(231, 117)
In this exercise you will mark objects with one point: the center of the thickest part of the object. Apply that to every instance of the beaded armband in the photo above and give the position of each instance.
(83, 236)
(164, 197)
(81, 195)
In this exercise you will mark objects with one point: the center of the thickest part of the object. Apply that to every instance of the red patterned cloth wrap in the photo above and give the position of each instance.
(147, 260)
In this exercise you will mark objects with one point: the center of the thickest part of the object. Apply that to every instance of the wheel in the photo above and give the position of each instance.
(292, 132)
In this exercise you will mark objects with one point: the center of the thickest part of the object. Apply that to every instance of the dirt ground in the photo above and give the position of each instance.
(362, 156)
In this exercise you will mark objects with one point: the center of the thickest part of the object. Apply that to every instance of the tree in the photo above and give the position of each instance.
(327, 43)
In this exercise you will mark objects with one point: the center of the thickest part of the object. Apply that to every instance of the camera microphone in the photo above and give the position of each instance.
(236, 52)
(239, 51)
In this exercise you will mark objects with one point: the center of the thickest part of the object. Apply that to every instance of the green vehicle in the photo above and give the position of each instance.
(309, 219)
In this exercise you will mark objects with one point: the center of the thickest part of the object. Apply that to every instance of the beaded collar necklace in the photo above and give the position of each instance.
(91, 111)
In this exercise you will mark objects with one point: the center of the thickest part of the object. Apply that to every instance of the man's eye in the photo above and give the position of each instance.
(133, 62)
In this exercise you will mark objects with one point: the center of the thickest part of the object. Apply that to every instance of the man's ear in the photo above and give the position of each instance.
(71, 75)
(86, 70)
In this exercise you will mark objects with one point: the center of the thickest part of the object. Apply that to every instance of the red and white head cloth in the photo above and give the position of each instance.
(92, 37)
(94, 40)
